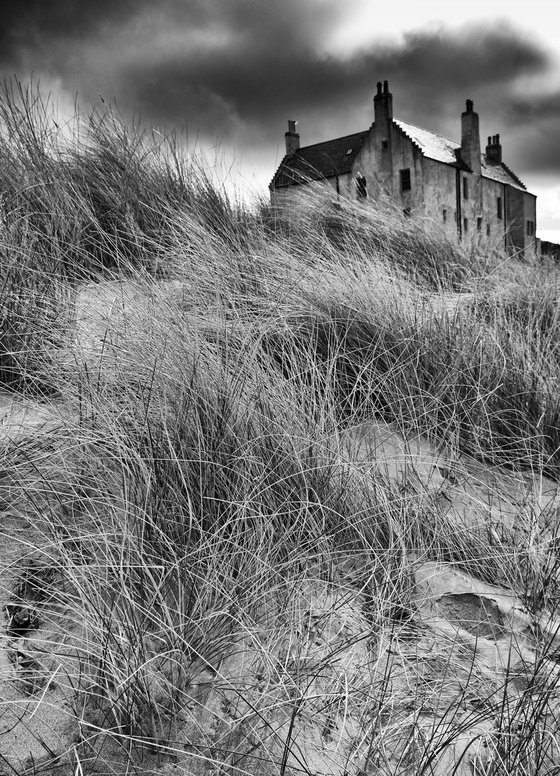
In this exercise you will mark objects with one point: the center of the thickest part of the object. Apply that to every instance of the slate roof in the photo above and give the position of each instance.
(432, 145)
(437, 147)
(335, 157)
(322, 160)
(501, 173)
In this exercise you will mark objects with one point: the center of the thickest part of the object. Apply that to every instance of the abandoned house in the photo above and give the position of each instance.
(466, 190)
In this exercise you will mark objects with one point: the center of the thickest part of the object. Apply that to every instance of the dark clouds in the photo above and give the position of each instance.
(532, 106)
(33, 25)
(535, 118)
(260, 76)
(237, 69)
(27, 28)
(476, 54)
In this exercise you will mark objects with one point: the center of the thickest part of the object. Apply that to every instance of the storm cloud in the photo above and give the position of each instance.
(246, 87)
(237, 69)
(27, 29)
(257, 82)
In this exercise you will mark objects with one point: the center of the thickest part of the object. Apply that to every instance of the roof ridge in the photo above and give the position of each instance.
(334, 139)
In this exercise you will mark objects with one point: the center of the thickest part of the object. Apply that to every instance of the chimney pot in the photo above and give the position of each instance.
(494, 150)
(383, 108)
(292, 138)
(469, 106)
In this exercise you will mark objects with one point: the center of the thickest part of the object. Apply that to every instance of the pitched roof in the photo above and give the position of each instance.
(437, 147)
(335, 157)
(432, 145)
(501, 173)
(322, 160)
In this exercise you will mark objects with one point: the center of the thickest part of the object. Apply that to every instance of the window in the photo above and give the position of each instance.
(444, 216)
(499, 207)
(465, 225)
(405, 179)
(487, 230)
(384, 144)
(465, 188)
(530, 228)
(361, 186)
(479, 224)
(407, 211)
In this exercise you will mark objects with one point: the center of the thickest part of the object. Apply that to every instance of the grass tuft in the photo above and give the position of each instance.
(279, 488)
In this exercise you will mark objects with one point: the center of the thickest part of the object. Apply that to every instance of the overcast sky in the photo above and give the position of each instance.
(230, 73)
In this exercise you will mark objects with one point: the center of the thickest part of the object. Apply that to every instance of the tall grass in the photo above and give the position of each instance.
(219, 578)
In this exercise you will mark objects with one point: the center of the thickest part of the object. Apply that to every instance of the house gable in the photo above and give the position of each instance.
(429, 143)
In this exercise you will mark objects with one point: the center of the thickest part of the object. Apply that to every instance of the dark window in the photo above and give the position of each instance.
(465, 225)
(384, 144)
(487, 230)
(479, 224)
(444, 216)
(466, 188)
(530, 228)
(405, 179)
(499, 207)
(361, 186)
(407, 211)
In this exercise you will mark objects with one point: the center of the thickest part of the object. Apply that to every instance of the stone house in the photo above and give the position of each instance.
(467, 191)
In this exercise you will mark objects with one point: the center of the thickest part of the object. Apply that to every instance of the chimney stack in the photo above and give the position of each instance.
(470, 138)
(383, 105)
(292, 138)
(494, 150)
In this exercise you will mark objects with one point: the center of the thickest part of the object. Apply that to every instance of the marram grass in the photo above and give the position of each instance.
(218, 576)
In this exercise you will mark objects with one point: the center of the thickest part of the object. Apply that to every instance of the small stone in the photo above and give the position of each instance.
(20, 620)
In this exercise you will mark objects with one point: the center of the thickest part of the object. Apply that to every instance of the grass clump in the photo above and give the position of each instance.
(293, 489)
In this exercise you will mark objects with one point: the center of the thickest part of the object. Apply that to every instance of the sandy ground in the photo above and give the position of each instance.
(22, 417)
(461, 641)
(460, 627)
